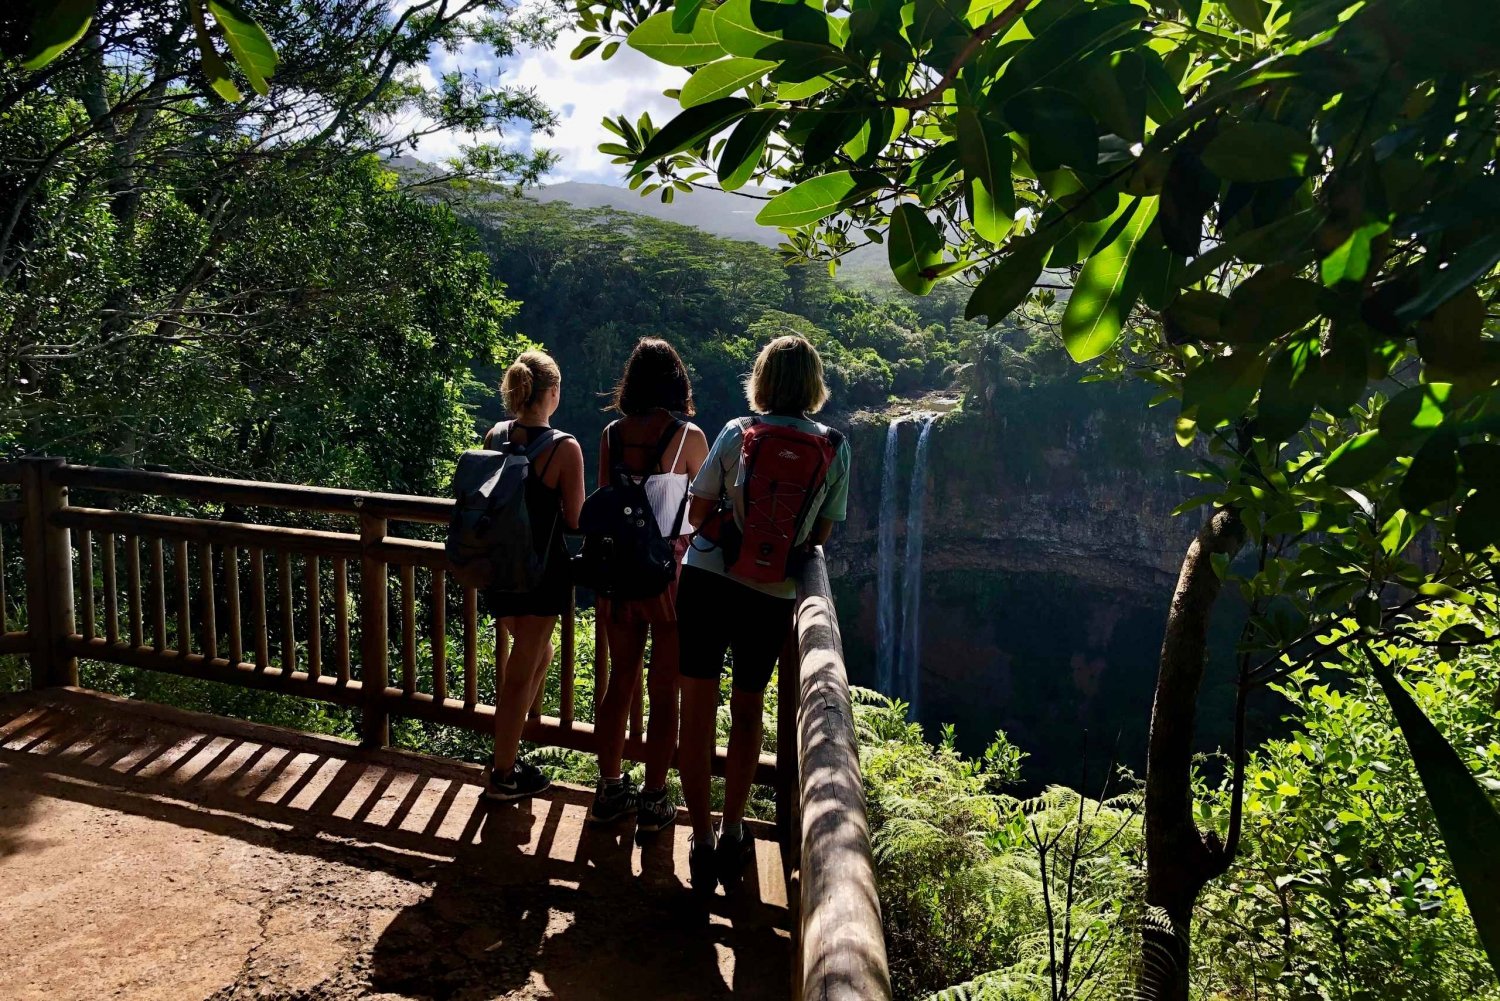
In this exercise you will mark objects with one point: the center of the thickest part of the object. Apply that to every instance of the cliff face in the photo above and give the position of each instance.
(1049, 558)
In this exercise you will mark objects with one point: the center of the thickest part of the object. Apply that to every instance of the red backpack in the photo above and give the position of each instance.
(781, 471)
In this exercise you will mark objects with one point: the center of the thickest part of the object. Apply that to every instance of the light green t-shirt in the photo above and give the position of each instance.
(720, 476)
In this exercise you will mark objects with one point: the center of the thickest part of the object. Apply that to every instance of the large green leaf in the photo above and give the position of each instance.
(1062, 43)
(772, 30)
(742, 151)
(691, 127)
(248, 42)
(1260, 151)
(1465, 814)
(1433, 476)
(1251, 14)
(1467, 267)
(984, 150)
(1478, 523)
(685, 15)
(56, 29)
(915, 248)
(1221, 387)
(1006, 285)
(722, 79)
(1289, 391)
(1358, 460)
(1268, 304)
(1058, 128)
(818, 198)
(1414, 413)
(656, 37)
(1103, 296)
(214, 68)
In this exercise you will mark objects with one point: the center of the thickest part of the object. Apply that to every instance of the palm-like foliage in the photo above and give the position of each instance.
(1005, 898)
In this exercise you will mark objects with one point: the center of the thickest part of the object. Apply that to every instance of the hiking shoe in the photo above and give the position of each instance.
(654, 812)
(703, 868)
(612, 800)
(525, 780)
(732, 856)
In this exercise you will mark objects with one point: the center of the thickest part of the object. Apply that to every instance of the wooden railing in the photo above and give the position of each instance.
(308, 609)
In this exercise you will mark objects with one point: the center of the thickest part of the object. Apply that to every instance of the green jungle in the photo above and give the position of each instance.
(1184, 337)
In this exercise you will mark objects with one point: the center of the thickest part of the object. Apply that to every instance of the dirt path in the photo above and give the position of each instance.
(169, 856)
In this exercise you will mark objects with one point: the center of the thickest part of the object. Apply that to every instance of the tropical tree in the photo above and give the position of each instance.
(1268, 209)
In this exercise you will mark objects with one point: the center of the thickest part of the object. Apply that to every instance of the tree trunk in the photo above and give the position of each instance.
(1180, 859)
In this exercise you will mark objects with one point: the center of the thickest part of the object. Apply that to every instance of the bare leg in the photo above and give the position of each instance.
(744, 752)
(700, 704)
(627, 643)
(528, 660)
(662, 683)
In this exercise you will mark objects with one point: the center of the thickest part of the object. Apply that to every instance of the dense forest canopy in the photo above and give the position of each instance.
(238, 285)
(590, 282)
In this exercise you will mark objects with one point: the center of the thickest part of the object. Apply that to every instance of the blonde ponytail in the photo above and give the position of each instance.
(532, 373)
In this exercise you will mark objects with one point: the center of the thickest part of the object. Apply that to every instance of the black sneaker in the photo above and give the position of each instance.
(525, 780)
(654, 812)
(612, 800)
(732, 856)
(703, 868)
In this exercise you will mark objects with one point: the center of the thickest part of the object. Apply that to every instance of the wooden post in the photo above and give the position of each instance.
(49, 575)
(374, 639)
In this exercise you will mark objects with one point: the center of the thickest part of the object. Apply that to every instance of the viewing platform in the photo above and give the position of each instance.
(148, 852)
(151, 852)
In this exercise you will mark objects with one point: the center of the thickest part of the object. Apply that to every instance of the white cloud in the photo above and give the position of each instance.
(581, 93)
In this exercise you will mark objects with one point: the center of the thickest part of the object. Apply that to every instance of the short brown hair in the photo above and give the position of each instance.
(532, 373)
(787, 378)
(654, 378)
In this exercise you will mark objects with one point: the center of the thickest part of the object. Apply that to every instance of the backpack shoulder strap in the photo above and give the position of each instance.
(546, 438)
(664, 444)
(497, 435)
(834, 435)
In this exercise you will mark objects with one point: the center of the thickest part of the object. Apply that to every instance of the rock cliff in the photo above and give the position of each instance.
(1048, 564)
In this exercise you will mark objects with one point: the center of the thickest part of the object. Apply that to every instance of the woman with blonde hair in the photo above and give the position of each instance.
(532, 390)
(652, 446)
(772, 487)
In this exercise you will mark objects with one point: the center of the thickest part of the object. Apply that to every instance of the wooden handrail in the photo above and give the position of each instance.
(841, 946)
(253, 493)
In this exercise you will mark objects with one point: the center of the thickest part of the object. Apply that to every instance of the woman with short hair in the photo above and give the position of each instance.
(650, 443)
(532, 390)
(736, 594)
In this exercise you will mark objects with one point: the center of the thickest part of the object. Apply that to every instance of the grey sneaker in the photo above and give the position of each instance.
(612, 800)
(524, 780)
(654, 812)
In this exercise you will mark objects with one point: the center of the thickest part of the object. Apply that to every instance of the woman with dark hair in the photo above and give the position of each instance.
(532, 389)
(648, 442)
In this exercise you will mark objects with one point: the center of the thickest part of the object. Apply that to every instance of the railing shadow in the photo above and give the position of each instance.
(518, 892)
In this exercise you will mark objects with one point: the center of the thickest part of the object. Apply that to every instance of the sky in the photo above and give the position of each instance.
(580, 92)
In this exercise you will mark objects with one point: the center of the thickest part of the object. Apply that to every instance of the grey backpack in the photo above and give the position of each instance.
(492, 541)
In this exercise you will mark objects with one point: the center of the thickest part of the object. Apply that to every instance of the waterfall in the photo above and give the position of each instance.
(911, 576)
(885, 618)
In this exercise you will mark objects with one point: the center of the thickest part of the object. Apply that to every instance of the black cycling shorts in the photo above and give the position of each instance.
(716, 614)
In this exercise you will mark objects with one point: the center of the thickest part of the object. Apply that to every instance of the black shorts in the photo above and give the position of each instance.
(716, 615)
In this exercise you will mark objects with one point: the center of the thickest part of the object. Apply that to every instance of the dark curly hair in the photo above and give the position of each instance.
(655, 377)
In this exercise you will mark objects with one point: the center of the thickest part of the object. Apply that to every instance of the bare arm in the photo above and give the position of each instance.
(694, 450)
(604, 459)
(570, 481)
(822, 530)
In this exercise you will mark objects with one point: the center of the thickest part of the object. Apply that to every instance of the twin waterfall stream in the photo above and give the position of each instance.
(900, 625)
